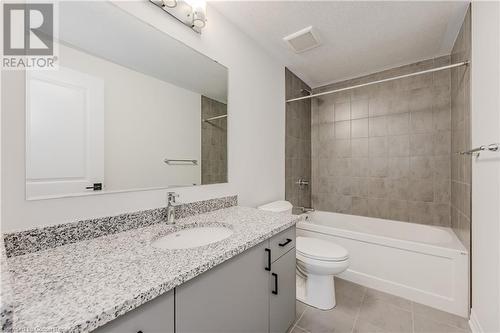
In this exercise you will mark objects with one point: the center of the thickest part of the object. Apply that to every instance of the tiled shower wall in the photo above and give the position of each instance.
(298, 142)
(213, 142)
(461, 136)
(384, 150)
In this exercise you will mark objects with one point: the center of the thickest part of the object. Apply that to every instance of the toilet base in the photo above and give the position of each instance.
(317, 291)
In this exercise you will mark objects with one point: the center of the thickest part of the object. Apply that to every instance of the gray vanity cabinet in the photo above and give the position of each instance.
(232, 297)
(155, 316)
(282, 297)
(282, 281)
(251, 293)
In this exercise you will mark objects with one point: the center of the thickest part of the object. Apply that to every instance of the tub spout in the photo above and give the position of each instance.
(306, 209)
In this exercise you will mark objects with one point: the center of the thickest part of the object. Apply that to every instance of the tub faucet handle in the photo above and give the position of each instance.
(302, 182)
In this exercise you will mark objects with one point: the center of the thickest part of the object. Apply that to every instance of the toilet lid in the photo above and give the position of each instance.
(276, 206)
(320, 249)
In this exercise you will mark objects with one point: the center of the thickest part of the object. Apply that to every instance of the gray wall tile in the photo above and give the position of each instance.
(398, 123)
(214, 142)
(359, 108)
(394, 159)
(398, 145)
(343, 130)
(378, 126)
(359, 147)
(342, 111)
(421, 122)
(305, 122)
(359, 128)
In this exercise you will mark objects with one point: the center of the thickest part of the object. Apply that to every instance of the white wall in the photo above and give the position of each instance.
(145, 121)
(256, 131)
(485, 114)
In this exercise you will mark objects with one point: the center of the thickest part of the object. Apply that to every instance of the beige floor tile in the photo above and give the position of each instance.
(297, 330)
(348, 304)
(349, 288)
(318, 321)
(388, 298)
(440, 316)
(365, 327)
(299, 309)
(385, 316)
(422, 324)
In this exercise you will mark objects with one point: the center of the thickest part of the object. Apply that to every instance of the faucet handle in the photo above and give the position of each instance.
(171, 197)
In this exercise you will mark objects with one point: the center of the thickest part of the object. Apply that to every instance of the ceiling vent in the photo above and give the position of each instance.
(303, 40)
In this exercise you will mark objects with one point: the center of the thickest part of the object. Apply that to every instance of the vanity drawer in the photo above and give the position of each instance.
(282, 243)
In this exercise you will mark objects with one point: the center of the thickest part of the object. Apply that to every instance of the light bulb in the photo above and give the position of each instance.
(199, 12)
(170, 3)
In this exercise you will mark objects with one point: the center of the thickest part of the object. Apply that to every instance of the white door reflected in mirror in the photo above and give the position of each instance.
(64, 132)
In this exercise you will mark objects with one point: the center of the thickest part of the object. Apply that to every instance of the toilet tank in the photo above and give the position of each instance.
(281, 206)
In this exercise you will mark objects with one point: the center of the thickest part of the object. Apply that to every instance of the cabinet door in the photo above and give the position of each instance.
(231, 298)
(156, 316)
(282, 293)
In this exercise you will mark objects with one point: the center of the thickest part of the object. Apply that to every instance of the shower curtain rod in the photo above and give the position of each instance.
(458, 64)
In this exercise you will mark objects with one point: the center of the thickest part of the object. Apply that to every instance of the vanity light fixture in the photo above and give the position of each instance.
(190, 12)
(199, 13)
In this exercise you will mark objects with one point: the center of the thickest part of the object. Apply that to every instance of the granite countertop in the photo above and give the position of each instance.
(81, 286)
(5, 292)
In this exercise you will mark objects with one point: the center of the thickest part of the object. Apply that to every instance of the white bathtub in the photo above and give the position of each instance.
(425, 264)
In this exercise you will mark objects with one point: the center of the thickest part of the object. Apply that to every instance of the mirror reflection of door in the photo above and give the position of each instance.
(64, 132)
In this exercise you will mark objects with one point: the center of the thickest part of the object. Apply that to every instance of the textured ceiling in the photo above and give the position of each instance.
(358, 37)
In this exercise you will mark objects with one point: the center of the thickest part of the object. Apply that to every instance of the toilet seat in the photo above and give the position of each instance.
(320, 250)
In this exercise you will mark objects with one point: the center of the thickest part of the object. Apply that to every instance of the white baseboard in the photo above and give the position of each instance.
(474, 324)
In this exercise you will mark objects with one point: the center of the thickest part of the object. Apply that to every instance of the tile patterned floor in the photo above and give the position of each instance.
(365, 310)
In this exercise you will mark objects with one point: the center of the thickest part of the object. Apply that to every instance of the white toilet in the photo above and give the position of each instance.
(318, 261)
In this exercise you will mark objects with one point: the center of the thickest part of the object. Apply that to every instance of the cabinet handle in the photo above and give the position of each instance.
(275, 291)
(288, 240)
(268, 268)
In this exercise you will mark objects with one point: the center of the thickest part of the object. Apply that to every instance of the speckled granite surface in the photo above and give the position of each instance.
(78, 287)
(38, 239)
(6, 301)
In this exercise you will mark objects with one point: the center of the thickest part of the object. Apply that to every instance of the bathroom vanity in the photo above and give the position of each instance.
(122, 283)
(252, 292)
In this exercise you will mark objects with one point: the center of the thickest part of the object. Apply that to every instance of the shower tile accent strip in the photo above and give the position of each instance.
(38, 239)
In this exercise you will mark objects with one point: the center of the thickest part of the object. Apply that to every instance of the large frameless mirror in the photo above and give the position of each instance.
(128, 108)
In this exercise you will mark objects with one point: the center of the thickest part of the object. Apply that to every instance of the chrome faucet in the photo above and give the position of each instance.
(171, 207)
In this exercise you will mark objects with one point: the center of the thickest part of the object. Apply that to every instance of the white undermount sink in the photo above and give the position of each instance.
(192, 237)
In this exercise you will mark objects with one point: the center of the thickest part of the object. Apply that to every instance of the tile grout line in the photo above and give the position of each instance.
(297, 321)
(359, 310)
